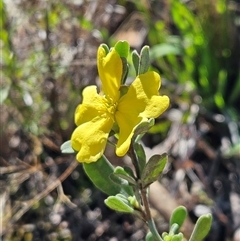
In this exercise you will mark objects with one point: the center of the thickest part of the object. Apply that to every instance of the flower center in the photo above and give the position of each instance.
(110, 106)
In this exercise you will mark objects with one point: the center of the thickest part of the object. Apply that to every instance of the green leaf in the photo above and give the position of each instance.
(202, 228)
(178, 216)
(149, 237)
(144, 60)
(119, 179)
(105, 48)
(116, 179)
(153, 169)
(123, 90)
(141, 156)
(142, 128)
(66, 147)
(124, 71)
(164, 49)
(121, 173)
(160, 127)
(173, 229)
(219, 100)
(129, 171)
(4, 91)
(133, 201)
(165, 235)
(86, 24)
(136, 61)
(122, 47)
(99, 173)
(233, 151)
(119, 204)
(177, 237)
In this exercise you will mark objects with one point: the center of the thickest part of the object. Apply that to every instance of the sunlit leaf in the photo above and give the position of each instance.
(149, 237)
(119, 204)
(144, 60)
(174, 229)
(219, 100)
(177, 237)
(153, 169)
(202, 228)
(136, 60)
(66, 147)
(105, 48)
(143, 127)
(99, 172)
(122, 47)
(164, 49)
(120, 172)
(178, 216)
(4, 91)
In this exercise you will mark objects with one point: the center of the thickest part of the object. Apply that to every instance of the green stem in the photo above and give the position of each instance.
(146, 204)
(153, 230)
(149, 219)
(143, 192)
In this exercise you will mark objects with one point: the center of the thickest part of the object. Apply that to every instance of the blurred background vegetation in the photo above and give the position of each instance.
(48, 55)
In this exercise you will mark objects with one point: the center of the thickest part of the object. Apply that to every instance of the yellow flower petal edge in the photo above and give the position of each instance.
(142, 101)
(94, 123)
(90, 139)
(92, 106)
(110, 72)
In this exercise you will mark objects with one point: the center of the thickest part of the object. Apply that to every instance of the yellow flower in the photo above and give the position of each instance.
(98, 112)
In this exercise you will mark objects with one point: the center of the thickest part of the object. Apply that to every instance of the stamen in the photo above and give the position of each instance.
(110, 106)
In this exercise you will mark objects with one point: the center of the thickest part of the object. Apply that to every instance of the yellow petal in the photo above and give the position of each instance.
(93, 105)
(94, 123)
(141, 101)
(143, 96)
(127, 121)
(110, 72)
(90, 139)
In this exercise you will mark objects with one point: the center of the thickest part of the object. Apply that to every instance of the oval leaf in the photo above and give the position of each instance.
(99, 173)
(143, 127)
(66, 147)
(144, 60)
(153, 169)
(164, 49)
(177, 237)
(202, 228)
(122, 47)
(118, 204)
(136, 60)
(178, 216)
(121, 173)
(105, 48)
(129, 171)
(173, 229)
(149, 237)
(141, 156)
(4, 91)
(124, 71)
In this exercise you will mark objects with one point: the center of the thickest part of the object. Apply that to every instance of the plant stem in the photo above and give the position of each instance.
(149, 219)
(143, 192)
(153, 230)
(146, 204)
